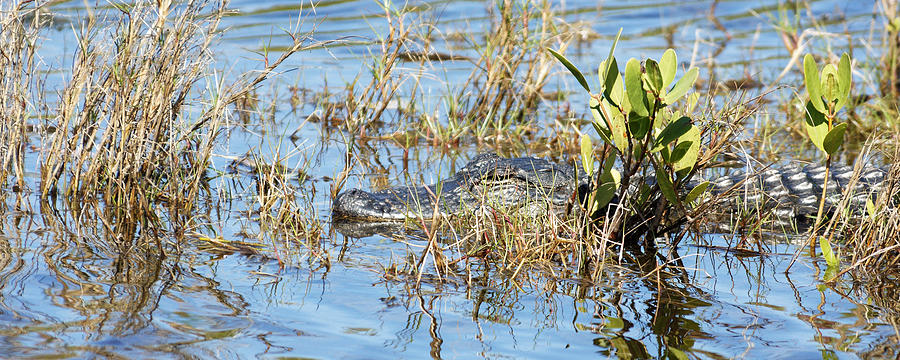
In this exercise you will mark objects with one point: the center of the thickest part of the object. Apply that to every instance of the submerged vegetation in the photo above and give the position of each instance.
(124, 148)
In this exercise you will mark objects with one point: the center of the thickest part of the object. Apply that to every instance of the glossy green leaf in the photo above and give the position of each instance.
(665, 185)
(812, 81)
(616, 131)
(587, 155)
(674, 130)
(668, 64)
(682, 86)
(609, 75)
(654, 76)
(605, 68)
(600, 124)
(834, 139)
(639, 126)
(816, 125)
(572, 69)
(696, 192)
(691, 142)
(633, 88)
(845, 78)
(609, 183)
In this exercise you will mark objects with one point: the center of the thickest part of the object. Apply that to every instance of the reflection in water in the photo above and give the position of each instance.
(70, 287)
(97, 287)
(81, 289)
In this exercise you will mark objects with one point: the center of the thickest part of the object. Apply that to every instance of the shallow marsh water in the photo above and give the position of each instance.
(60, 297)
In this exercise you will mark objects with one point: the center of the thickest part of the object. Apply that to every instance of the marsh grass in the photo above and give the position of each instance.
(495, 103)
(20, 82)
(358, 108)
(287, 219)
(872, 244)
(138, 116)
(505, 85)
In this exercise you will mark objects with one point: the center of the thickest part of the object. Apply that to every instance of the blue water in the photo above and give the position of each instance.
(67, 291)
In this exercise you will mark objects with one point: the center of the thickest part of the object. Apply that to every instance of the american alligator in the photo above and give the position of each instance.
(536, 184)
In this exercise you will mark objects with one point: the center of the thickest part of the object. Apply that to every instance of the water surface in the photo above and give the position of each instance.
(68, 291)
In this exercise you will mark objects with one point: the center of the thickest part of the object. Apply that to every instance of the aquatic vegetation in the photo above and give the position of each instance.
(161, 198)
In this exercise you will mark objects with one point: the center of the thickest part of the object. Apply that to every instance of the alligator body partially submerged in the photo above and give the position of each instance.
(486, 179)
(537, 185)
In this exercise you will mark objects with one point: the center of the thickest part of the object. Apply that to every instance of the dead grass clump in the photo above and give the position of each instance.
(874, 245)
(132, 127)
(19, 82)
(512, 67)
(507, 79)
(495, 102)
(511, 241)
(286, 216)
(890, 59)
(358, 108)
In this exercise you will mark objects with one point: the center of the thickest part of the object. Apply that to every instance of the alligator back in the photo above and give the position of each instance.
(794, 191)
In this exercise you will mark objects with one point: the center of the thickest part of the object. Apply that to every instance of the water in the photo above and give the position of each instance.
(67, 291)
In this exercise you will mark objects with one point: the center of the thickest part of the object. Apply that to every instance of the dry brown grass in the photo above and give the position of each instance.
(19, 82)
(872, 245)
(132, 128)
(494, 105)
(505, 85)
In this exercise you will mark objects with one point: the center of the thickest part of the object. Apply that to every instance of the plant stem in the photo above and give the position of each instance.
(815, 231)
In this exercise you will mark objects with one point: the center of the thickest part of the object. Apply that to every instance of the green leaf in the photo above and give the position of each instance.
(816, 125)
(602, 131)
(654, 77)
(671, 133)
(677, 354)
(870, 208)
(830, 85)
(696, 192)
(609, 76)
(609, 182)
(830, 258)
(679, 151)
(691, 141)
(834, 139)
(612, 50)
(572, 69)
(668, 64)
(587, 155)
(633, 88)
(682, 86)
(692, 100)
(616, 94)
(617, 135)
(665, 185)
(845, 79)
(639, 126)
(812, 81)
